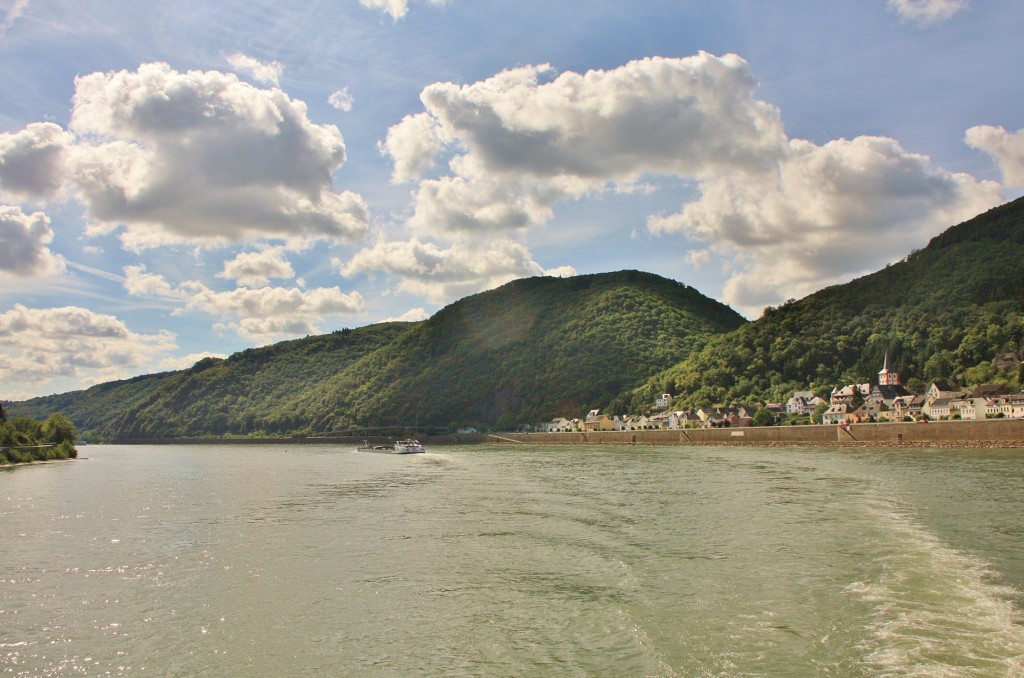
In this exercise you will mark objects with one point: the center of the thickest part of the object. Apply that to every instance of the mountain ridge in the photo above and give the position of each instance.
(537, 348)
(493, 358)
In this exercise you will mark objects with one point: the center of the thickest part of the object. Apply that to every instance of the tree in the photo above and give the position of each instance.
(58, 429)
(763, 417)
(819, 412)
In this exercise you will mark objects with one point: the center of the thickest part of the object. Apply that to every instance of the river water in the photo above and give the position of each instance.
(514, 561)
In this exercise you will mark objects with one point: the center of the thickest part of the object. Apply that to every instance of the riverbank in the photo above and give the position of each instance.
(1007, 433)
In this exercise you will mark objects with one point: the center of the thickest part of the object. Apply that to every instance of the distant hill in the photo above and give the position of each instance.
(532, 349)
(944, 313)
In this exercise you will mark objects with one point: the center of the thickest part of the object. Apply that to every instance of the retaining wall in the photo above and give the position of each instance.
(989, 431)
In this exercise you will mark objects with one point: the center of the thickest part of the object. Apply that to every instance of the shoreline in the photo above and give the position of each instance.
(991, 433)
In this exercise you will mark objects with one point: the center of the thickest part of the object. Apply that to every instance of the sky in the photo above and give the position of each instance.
(187, 179)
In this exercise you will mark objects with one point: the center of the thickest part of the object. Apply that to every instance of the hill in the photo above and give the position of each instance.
(527, 350)
(943, 313)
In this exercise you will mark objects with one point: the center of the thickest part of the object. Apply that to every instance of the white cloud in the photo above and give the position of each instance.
(254, 269)
(40, 345)
(263, 312)
(410, 316)
(138, 283)
(13, 12)
(825, 215)
(441, 275)
(787, 216)
(33, 162)
(23, 244)
(396, 8)
(412, 144)
(274, 302)
(175, 363)
(341, 99)
(197, 157)
(1006, 147)
(268, 74)
(926, 12)
(522, 144)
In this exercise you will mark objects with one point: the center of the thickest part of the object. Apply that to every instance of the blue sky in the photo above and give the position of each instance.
(194, 178)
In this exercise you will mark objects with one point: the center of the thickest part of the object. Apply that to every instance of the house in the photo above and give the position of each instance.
(849, 394)
(869, 411)
(687, 419)
(942, 390)
(1012, 406)
(838, 413)
(978, 408)
(802, 402)
(662, 420)
(596, 421)
(989, 391)
(663, 402)
(556, 424)
(1007, 361)
(886, 393)
(635, 423)
(906, 406)
(941, 408)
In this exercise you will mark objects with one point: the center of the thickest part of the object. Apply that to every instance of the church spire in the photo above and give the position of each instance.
(888, 377)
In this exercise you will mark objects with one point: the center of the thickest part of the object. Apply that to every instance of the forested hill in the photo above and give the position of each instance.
(529, 350)
(943, 313)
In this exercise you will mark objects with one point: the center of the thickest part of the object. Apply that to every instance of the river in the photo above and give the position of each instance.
(514, 561)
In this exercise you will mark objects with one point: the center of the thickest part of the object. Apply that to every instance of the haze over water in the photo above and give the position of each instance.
(514, 561)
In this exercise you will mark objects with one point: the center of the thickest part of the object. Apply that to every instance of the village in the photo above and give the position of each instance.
(886, 401)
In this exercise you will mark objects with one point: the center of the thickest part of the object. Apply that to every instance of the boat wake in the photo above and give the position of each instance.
(937, 611)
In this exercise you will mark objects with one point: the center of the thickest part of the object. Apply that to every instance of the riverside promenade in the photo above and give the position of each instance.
(985, 433)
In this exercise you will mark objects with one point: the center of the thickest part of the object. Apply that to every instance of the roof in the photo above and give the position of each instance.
(890, 391)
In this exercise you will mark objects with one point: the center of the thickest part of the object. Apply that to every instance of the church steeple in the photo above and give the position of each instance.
(888, 377)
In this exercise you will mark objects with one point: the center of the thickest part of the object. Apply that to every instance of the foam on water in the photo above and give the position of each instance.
(937, 611)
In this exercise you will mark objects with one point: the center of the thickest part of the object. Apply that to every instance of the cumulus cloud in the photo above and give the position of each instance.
(396, 8)
(410, 316)
(926, 12)
(440, 274)
(827, 214)
(341, 99)
(254, 269)
(523, 144)
(197, 157)
(33, 162)
(268, 74)
(184, 362)
(271, 312)
(1006, 147)
(23, 244)
(40, 345)
(139, 283)
(259, 313)
(788, 216)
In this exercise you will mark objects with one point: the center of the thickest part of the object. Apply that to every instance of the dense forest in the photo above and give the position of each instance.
(945, 312)
(539, 348)
(518, 353)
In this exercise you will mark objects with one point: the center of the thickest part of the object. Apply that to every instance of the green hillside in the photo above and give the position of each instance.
(943, 313)
(251, 392)
(530, 349)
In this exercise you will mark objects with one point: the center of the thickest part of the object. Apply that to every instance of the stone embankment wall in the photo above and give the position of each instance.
(451, 439)
(990, 432)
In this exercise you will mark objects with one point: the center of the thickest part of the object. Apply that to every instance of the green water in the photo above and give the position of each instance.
(514, 561)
